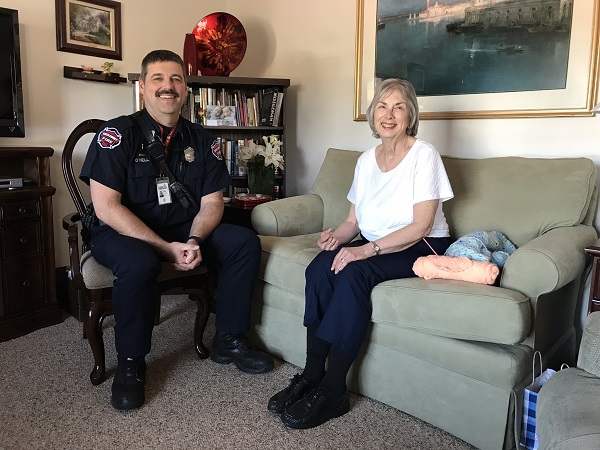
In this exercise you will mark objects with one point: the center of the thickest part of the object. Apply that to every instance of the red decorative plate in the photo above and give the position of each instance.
(249, 201)
(220, 44)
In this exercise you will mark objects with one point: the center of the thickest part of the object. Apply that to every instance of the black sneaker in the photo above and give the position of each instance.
(236, 348)
(128, 384)
(295, 391)
(314, 409)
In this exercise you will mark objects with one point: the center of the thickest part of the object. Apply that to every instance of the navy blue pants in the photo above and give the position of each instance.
(233, 252)
(340, 304)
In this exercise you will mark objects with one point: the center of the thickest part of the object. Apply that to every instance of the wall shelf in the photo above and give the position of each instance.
(97, 75)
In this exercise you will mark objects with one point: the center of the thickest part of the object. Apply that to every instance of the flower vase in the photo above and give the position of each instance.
(261, 179)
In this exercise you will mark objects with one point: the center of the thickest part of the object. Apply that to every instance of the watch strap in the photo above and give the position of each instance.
(196, 238)
(376, 247)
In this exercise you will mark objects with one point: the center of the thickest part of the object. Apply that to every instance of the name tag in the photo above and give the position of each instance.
(162, 189)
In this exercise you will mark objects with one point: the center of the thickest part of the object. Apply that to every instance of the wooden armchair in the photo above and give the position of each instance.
(92, 282)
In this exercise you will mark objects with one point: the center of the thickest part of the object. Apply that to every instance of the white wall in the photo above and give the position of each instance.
(311, 42)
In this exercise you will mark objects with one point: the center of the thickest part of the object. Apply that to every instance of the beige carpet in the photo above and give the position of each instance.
(47, 401)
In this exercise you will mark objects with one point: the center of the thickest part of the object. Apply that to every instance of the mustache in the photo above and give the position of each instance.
(167, 92)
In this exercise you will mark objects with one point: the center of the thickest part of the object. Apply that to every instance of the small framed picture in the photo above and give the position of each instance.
(217, 115)
(89, 27)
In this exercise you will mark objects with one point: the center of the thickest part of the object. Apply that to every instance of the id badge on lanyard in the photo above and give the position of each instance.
(162, 183)
(163, 191)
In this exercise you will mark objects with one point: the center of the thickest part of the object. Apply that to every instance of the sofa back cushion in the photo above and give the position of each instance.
(333, 183)
(520, 197)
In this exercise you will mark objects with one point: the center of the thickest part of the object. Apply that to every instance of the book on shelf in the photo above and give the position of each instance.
(241, 170)
(278, 106)
(138, 99)
(252, 113)
(199, 113)
(267, 107)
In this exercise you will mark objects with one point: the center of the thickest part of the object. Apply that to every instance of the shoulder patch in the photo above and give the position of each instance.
(109, 138)
(216, 150)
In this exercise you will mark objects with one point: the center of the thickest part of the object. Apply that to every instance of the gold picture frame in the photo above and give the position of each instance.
(577, 99)
(89, 27)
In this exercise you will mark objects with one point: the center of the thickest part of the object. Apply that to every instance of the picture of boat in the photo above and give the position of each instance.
(510, 49)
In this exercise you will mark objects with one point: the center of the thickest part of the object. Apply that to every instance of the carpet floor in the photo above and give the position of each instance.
(48, 402)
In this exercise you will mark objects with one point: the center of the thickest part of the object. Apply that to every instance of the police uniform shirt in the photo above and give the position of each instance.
(117, 159)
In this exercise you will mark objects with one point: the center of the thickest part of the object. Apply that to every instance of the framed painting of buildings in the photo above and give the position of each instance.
(89, 27)
(482, 58)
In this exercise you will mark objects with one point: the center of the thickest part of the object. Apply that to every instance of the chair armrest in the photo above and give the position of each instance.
(291, 216)
(71, 219)
(71, 223)
(549, 261)
(589, 356)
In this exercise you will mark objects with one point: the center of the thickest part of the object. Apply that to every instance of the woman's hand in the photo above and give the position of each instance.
(327, 241)
(348, 254)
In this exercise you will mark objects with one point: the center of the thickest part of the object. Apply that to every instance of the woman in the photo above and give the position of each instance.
(396, 207)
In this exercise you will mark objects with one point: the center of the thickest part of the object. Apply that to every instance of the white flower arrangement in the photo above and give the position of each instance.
(262, 155)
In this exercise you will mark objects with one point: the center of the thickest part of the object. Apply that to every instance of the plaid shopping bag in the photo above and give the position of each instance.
(529, 437)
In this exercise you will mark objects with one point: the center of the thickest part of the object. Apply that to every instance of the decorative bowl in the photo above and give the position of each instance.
(220, 44)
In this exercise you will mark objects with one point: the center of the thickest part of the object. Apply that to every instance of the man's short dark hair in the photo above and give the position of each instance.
(160, 56)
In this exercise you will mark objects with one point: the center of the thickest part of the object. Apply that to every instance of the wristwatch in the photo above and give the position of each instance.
(376, 247)
(197, 239)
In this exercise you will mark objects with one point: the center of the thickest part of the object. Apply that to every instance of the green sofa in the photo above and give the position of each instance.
(452, 353)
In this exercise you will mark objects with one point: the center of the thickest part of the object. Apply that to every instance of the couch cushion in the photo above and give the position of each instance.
(520, 197)
(285, 259)
(333, 183)
(542, 193)
(456, 309)
(448, 308)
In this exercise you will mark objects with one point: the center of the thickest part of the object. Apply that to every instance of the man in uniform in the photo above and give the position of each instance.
(142, 222)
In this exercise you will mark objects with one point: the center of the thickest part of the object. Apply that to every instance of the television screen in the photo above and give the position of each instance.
(11, 91)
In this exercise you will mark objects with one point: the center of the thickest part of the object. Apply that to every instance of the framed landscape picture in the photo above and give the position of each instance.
(89, 27)
(472, 59)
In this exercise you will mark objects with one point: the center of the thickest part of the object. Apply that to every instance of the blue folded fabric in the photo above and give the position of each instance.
(490, 246)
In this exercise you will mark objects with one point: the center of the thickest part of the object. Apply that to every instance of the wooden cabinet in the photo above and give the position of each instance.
(238, 88)
(27, 273)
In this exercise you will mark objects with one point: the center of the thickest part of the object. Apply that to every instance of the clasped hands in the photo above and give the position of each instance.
(184, 256)
(345, 256)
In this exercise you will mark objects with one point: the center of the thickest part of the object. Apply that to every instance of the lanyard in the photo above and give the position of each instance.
(167, 141)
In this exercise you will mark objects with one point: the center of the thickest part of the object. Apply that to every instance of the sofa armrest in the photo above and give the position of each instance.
(291, 216)
(549, 261)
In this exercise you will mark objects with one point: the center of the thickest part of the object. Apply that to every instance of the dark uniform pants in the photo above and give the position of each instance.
(340, 304)
(232, 251)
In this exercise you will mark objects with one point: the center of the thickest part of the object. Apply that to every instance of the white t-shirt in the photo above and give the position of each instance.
(384, 201)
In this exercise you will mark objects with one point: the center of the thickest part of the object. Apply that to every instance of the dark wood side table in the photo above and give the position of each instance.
(27, 270)
(239, 210)
(237, 215)
(594, 251)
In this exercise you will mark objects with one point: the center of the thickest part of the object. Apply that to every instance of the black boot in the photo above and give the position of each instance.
(295, 391)
(315, 408)
(236, 348)
(128, 384)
